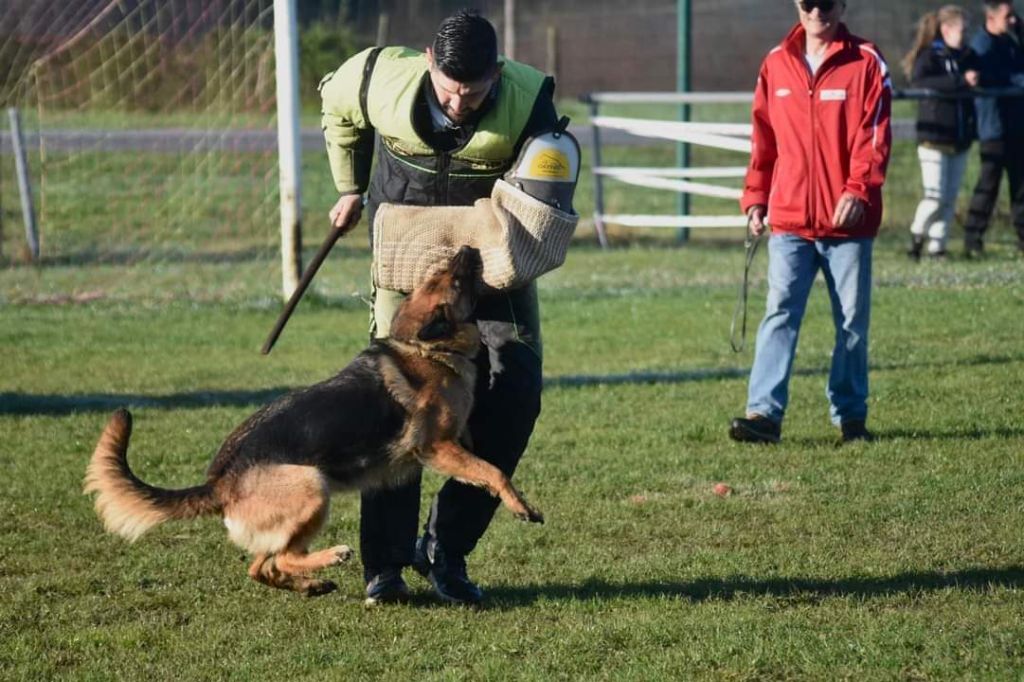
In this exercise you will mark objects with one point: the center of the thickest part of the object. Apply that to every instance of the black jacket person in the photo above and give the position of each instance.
(945, 125)
(944, 121)
(1000, 60)
(448, 124)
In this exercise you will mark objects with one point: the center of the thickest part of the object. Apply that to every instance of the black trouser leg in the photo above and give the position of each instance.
(388, 521)
(1015, 171)
(507, 404)
(986, 193)
(388, 517)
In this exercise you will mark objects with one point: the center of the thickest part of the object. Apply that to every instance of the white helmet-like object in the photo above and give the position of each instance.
(548, 167)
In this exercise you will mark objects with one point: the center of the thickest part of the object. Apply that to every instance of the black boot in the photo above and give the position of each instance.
(855, 430)
(386, 587)
(447, 573)
(755, 429)
(916, 244)
(974, 247)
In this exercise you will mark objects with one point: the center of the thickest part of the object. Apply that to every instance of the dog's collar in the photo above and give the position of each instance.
(436, 353)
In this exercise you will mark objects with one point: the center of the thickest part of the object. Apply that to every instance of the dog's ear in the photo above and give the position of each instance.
(439, 325)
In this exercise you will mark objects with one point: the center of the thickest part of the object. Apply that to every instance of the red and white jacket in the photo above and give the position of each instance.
(816, 137)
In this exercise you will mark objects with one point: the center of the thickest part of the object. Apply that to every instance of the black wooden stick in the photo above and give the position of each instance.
(307, 277)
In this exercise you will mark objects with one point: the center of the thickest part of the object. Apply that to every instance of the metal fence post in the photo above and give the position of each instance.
(28, 211)
(595, 133)
(510, 29)
(288, 144)
(684, 53)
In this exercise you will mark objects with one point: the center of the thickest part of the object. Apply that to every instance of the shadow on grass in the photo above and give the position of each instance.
(666, 377)
(831, 438)
(26, 404)
(798, 590)
(687, 376)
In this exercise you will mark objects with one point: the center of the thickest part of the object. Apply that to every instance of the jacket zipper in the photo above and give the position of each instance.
(811, 212)
(814, 79)
(953, 69)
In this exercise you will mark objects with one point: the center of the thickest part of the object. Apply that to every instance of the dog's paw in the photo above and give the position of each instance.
(342, 553)
(317, 588)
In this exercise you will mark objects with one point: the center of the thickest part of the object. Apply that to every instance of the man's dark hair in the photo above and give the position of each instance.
(995, 4)
(466, 47)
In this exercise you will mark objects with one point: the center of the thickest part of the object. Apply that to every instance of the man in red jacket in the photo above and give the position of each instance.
(821, 145)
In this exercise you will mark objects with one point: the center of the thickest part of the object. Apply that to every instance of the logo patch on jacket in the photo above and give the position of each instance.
(783, 92)
(833, 95)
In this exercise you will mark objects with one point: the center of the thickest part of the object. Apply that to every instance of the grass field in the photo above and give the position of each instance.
(899, 559)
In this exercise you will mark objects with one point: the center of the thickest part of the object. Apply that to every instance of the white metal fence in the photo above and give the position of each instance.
(731, 137)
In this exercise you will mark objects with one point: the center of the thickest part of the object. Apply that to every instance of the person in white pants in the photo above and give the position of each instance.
(945, 126)
(941, 173)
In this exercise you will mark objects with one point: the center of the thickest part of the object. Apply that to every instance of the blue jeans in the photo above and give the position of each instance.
(793, 263)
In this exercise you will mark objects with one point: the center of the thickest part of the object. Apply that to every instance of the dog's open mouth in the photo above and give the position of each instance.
(466, 265)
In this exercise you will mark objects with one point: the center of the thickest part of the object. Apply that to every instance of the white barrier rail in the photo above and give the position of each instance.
(677, 221)
(722, 172)
(747, 97)
(733, 137)
(727, 136)
(668, 97)
(718, 135)
(658, 182)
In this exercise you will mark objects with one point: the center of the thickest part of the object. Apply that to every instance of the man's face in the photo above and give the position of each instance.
(820, 18)
(457, 99)
(999, 20)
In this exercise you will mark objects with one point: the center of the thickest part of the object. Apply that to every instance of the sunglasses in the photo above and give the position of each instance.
(824, 6)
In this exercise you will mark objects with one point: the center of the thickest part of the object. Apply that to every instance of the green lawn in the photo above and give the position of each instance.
(897, 559)
(900, 559)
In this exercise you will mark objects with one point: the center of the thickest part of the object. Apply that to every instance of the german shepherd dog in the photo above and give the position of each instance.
(401, 404)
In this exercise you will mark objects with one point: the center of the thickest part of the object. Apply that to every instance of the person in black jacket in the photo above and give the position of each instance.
(1000, 128)
(945, 126)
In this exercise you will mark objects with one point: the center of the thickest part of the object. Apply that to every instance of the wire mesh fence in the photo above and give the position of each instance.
(150, 123)
(149, 126)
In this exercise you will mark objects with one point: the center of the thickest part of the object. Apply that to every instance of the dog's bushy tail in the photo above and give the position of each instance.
(128, 506)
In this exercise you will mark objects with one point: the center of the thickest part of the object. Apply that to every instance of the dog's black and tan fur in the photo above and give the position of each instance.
(402, 403)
